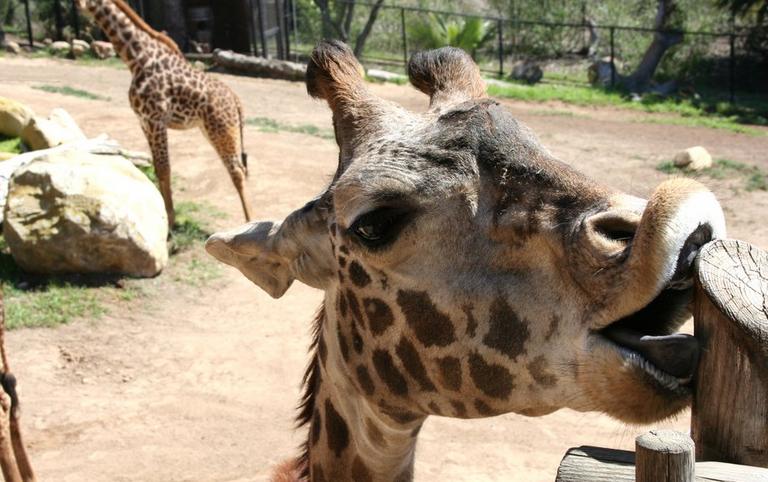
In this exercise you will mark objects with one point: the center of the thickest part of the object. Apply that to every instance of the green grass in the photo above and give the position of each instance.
(190, 228)
(753, 178)
(35, 301)
(716, 115)
(265, 124)
(10, 144)
(71, 91)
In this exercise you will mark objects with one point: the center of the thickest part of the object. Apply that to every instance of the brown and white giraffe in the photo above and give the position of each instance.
(167, 92)
(468, 273)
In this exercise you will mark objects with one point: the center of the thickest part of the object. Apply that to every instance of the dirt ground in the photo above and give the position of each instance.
(200, 384)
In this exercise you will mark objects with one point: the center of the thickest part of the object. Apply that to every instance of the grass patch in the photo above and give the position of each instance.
(70, 91)
(36, 301)
(265, 124)
(710, 122)
(190, 229)
(10, 144)
(717, 115)
(753, 178)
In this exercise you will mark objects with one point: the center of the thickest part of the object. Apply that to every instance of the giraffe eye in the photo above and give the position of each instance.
(379, 227)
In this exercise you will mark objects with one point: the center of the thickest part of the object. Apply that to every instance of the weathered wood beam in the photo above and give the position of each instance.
(664, 456)
(729, 420)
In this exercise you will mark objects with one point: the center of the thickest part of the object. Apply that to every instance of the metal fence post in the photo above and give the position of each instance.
(75, 19)
(613, 63)
(59, 21)
(29, 24)
(404, 38)
(500, 28)
(732, 70)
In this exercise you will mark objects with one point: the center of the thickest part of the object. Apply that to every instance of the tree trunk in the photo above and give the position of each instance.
(360, 43)
(663, 39)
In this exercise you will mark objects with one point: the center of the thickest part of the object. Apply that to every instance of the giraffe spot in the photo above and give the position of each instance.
(317, 473)
(358, 275)
(354, 308)
(471, 321)
(316, 427)
(507, 332)
(432, 327)
(344, 250)
(459, 409)
(357, 340)
(483, 408)
(343, 344)
(538, 369)
(342, 301)
(379, 315)
(554, 324)
(413, 365)
(494, 380)
(388, 373)
(336, 430)
(399, 415)
(450, 373)
(364, 379)
(342, 261)
(374, 434)
(322, 349)
(434, 409)
(360, 472)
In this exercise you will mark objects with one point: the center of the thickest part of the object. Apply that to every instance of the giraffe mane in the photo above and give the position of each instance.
(310, 381)
(141, 24)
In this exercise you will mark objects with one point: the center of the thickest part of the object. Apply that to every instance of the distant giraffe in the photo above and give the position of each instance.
(168, 92)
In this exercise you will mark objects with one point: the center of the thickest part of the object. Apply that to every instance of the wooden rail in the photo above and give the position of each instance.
(729, 419)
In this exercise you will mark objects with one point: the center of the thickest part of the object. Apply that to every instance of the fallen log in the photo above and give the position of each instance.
(259, 66)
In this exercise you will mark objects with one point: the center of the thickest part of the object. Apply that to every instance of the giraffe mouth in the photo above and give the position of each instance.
(647, 340)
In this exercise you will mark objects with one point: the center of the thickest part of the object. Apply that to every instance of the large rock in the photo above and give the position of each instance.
(70, 211)
(12, 47)
(528, 72)
(59, 128)
(79, 48)
(59, 47)
(102, 50)
(14, 116)
(694, 158)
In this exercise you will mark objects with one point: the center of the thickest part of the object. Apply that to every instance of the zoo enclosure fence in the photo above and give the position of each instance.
(710, 60)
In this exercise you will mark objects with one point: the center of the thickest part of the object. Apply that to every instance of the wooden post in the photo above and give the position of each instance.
(729, 420)
(664, 456)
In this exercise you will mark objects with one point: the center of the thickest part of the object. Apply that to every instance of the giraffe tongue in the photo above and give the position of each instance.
(676, 354)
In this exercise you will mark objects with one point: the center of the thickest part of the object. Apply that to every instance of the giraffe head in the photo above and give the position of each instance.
(468, 273)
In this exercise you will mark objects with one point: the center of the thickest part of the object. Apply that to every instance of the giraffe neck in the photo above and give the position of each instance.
(351, 438)
(132, 43)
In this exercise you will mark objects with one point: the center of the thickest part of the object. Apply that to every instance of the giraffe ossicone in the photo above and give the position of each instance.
(167, 92)
(469, 273)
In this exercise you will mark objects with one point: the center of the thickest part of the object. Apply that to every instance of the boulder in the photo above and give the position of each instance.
(600, 73)
(70, 211)
(12, 47)
(14, 116)
(527, 71)
(102, 50)
(81, 43)
(59, 47)
(59, 128)
(694, 158)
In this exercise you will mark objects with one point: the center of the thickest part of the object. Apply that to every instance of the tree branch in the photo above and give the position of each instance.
(360, 43)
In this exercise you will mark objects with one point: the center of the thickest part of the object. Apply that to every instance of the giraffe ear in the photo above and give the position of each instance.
(446, 75)
(273, 254)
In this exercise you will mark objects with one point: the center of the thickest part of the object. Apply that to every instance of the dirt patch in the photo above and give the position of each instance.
(200, 383)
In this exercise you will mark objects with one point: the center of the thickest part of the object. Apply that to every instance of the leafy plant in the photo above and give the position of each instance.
(467, 33)
(10, 144)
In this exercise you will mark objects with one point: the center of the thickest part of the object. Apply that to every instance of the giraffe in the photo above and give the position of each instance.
(468, 273)
(167, 92)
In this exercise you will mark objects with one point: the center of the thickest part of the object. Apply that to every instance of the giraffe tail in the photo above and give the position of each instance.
(243, 154)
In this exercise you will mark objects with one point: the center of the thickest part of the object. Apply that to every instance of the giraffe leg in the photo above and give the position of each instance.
(226, 141)
(157, 136)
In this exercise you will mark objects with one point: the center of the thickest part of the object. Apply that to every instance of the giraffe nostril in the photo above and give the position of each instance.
(616, 227)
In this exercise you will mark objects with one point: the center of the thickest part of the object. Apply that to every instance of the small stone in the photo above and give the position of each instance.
(694, 158)
(528, 72)
(12, 47)
(102, 50)
(60, 47)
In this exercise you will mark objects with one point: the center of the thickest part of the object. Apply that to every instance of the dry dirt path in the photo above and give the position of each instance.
(200, 384)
